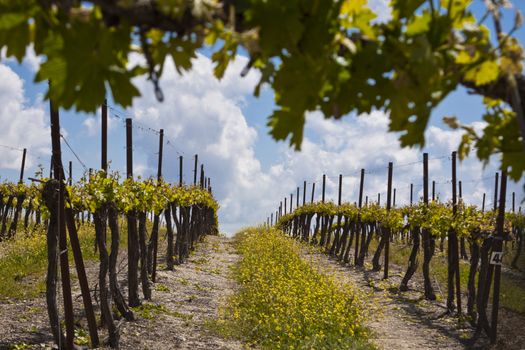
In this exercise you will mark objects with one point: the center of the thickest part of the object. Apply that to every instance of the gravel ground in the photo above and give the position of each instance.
(183, 301)
(405, 320)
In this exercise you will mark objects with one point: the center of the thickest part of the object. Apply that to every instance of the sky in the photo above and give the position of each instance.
(226, 126)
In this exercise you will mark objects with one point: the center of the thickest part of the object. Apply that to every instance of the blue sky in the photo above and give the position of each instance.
(226, 126)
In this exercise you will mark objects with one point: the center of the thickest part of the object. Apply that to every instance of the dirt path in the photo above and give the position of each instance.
(189, 296)
(398, 321)
(183, 302)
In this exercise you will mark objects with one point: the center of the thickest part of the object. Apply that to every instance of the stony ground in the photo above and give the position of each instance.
(406, 320)
(184, 301)
(187, 299)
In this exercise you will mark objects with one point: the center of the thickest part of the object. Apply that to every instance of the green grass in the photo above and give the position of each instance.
(23, 262)
(149, 311)
(284, 303)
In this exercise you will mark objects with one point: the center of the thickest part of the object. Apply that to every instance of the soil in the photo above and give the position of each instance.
(184, 301)
(405, 320)
(187, 299)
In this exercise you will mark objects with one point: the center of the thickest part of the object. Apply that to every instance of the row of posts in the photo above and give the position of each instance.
(500, 208)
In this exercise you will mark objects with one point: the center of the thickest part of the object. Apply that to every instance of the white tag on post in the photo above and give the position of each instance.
(496, 258)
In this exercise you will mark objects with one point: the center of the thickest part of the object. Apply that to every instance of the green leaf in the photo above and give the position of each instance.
(484, 73)
(419, 24)
(284, 123)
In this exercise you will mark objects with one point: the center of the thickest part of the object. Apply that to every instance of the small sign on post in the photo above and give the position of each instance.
(496, 258)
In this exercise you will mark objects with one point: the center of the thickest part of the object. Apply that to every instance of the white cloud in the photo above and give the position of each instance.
(92, 123)
(22, 126)
(345, 146)
(31, 61)
(202, 115)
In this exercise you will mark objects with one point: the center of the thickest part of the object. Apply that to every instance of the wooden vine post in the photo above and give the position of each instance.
(387, 231)
(62, 239)
(70, 179)
(195, 170)
(324, 188)
(104, 138)
(394, 199)
(496, 178)
(304, 193)
(133, 241)
(428, 240)
(337, 232)
(497, 254)
(313, 193)
(181, 159)
(357, 260)
(202, 176)
(66, 217)
(453, 254)
(156, 219)
(22, 167)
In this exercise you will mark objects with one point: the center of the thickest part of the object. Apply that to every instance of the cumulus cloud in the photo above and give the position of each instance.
(201, 115)
(93, 123)
(204, 116)
(31, 61)
(23, 126)
(345, 146)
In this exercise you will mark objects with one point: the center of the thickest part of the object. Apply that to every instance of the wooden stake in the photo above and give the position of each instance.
(133, 241)
(340, 189)
(324, 188)
(360, 204)
(394, 199)
(23, 166)
(202, 176)
(361, 187)
(161, 149)
(180, 170)
(70, 173)
(104, 137)
(304, 193)
(62, 237)
(497, 247)
(388, 204)
(496, 191)
(195, 170)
